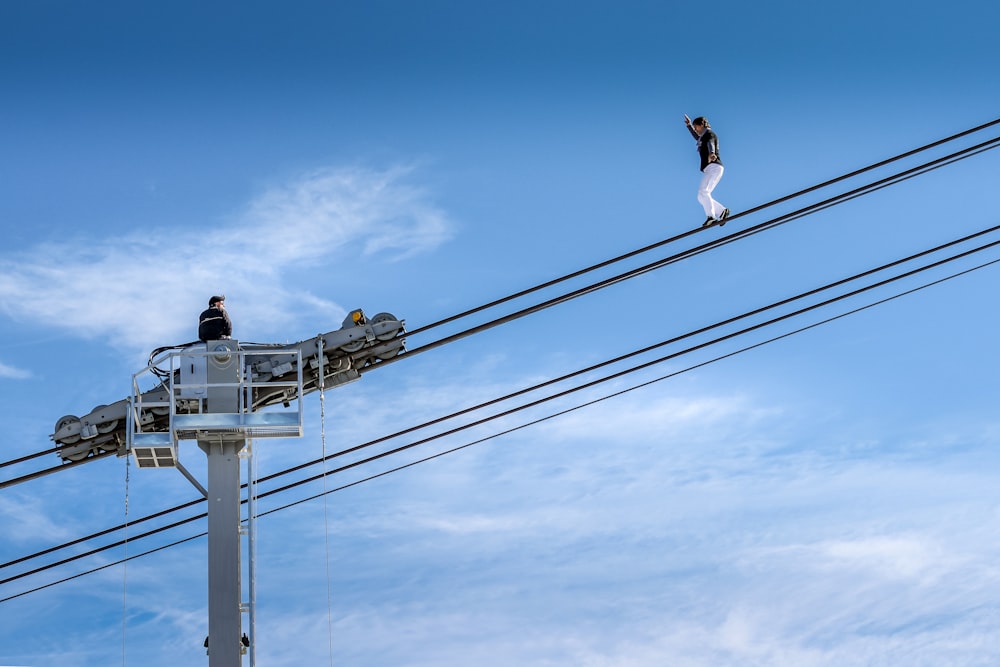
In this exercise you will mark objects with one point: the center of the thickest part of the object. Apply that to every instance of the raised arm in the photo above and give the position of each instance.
(687, 124)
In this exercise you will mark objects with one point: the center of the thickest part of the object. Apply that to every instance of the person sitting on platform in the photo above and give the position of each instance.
(214, 323)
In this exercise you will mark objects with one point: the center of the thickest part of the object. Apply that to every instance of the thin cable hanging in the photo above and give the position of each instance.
(252, 536)
(125, 567)
(326, 511)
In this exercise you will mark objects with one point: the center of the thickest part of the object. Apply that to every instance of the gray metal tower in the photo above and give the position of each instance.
(211, 384)
(223, 396)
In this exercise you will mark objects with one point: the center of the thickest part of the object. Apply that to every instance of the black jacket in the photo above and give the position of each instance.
(214, 324)
(708, 143)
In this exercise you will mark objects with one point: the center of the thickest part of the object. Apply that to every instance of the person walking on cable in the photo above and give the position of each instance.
(711, 169)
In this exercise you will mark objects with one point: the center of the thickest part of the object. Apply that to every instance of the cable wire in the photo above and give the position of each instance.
(705, 247)
(578, 273)
(125, 568)
(552, 381)
(741, 234)
(588, 403)
(326, 509)
(634, 387)
(672, 239)
(606, 378)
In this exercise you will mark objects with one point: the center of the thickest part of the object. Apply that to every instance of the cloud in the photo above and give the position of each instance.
(26, 522)
(13, 373)
(888, 556)
(328, 209)
(143, 290)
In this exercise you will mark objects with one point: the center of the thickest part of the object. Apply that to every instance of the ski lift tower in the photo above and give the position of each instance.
(209, 400)
(217, 394)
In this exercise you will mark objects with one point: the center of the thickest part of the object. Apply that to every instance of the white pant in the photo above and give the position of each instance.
(709, 179)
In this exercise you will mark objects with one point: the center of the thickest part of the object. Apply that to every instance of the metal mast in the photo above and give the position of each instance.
(220, 395)
(212, 378)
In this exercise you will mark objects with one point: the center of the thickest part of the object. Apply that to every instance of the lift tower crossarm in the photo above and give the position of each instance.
(359, 345)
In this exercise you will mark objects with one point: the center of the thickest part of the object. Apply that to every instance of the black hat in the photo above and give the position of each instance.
(216, 299)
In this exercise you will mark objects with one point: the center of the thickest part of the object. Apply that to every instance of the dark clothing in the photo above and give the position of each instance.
(708, 143)
(214, 324)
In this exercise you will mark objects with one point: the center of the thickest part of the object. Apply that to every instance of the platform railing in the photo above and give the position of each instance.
(181, 395)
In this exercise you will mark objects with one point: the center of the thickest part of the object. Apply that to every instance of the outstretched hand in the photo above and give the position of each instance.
(687, 121)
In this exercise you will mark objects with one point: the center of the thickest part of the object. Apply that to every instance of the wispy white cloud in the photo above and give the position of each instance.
(25, 521)
(144, 290)
(328, 209)
(13, 373)
(892, 556)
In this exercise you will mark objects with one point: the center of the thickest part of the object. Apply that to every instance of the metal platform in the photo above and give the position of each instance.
(199, 409)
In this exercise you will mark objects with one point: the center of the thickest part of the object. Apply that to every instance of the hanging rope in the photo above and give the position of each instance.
(252, 548)
(125, 562)
(326, 511)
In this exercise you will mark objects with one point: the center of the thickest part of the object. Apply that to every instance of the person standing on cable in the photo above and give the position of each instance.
(711, 169)
(214, 323)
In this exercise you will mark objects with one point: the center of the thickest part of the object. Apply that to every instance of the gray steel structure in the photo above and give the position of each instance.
(357, 346)
(216, 393)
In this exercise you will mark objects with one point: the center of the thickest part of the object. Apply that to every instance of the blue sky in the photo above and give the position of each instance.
(826, 499)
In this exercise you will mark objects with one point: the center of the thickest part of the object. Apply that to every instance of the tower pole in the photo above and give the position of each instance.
(224, 587)
(222, 449)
